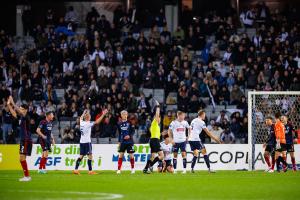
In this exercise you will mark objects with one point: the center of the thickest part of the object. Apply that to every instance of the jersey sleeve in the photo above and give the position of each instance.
(41, 124)
(203, 125)
(186, 124)
(171, 125)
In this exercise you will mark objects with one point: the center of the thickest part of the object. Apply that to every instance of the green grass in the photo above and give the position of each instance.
(62, 185)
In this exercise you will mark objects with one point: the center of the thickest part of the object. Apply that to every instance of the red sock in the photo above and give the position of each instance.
(132, 163)
(294, 163)
(120, 160)
(267, 159)
(41, 163)
(25, 168)
(273, 162)
(45, 162)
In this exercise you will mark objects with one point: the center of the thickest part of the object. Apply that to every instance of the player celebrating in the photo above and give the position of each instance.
(177, 131)
(154, 141)
(280, 151)
(269, 146)
(197, 125)
(166, 147)
(44, 131)
(289, 136)
(85, 139)
(125, 141)
(25, 135)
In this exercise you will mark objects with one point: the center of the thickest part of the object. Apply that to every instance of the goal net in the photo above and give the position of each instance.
(261, 105)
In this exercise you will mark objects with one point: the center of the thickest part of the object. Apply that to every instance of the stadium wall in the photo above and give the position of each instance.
(63, 157)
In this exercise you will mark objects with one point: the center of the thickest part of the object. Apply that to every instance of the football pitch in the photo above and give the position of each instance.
(62, 185)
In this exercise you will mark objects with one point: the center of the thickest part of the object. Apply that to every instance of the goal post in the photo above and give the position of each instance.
(266, 103)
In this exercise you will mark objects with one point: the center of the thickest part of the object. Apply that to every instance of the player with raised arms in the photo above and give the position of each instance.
(85, 139)
(126, 132)
(270, 144)
(197, 125)
(289, 136)
(21, 113)
(166, 147)
(156, 152)
(45, 139)
(177, 132)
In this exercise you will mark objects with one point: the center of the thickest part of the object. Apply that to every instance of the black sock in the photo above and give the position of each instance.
(90, 164)
(184, 162)
(207, 161)
(194, 162)
(160, 163)
(154, 161)
(278, 163)
(148, 164)
(175, 163)
(77, 163)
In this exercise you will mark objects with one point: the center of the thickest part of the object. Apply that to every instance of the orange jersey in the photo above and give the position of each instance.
(280, 132)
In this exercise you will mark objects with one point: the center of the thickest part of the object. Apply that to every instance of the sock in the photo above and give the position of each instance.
(278, 163)
(273, 162)
(207, 161)
(194, 162)
(154, 161)
(77, 163)
(41, 163)
(283, 160)
(147, 165)
(175, 163)
(293, 163)
(132, 163)
(120, 160)
(89, 164)
(45, 162)
(25, 168)
(160, 163)
(184, 162)
(267, 159)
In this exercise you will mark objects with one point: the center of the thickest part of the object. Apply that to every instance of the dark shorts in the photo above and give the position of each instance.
(85, 148)
(290, 148)
(180, 146)
(25, 147)
(196, 145)
(46, 145)
(154, 145)
(168, 164)
(270, 148)
(128, 147)
(282, 147)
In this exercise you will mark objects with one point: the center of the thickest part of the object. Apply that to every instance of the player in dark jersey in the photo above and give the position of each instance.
(21, 113)
(270, 145)
(45, 139)
(125, 141)
(289, 137)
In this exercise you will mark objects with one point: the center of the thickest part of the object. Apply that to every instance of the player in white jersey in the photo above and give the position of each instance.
(166, 147)
(85, 139)
(177, 131)
(197, 125)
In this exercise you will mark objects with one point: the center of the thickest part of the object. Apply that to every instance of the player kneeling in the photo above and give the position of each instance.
(85, 139)
(166, 147)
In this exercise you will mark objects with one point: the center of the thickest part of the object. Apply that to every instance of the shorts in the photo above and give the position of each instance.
(290, 148)
(270, 148)
(154, 145)
(282, 147)
(85, 148)
(196, 145)
(128, 147)
(168, 163)
(46, 145)
(180, 146)
(25, 147)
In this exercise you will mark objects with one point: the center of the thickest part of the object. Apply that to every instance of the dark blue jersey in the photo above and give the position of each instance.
(271, 138)
(289, 133)
(24, 128)
(125, 129)
(46, 129)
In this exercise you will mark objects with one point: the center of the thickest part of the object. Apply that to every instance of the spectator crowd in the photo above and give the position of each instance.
(209, 57)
